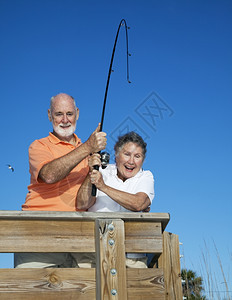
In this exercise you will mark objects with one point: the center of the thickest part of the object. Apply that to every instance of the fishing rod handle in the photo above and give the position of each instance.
(94, 189)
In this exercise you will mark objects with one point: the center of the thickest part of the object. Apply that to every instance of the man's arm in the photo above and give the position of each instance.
(59, 168)
(84, 197)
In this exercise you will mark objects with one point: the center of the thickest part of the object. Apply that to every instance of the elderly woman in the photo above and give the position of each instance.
(123, 186)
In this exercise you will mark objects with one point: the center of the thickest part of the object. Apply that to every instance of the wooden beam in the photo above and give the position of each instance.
(46, 236)
(169, 261)
(76, 235)
(143, 238)
(110, 260)
(54, 215)
(44, 284)
(145, 284)
(75, 283)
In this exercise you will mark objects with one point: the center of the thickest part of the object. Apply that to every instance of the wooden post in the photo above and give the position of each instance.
(170, 262)
(110, 261)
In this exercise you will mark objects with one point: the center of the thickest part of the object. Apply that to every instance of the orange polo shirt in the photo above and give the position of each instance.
(60, 196)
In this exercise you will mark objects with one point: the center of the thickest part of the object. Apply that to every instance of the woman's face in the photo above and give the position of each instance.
(129, 161)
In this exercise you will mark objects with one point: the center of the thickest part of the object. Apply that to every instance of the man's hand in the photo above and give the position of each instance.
(97, 140)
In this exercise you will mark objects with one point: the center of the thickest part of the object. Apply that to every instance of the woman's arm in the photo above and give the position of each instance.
(134, 202)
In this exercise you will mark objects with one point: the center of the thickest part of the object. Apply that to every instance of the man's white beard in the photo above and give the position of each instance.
(64, 132)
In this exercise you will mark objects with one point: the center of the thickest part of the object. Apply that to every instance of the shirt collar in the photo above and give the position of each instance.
(53, 139)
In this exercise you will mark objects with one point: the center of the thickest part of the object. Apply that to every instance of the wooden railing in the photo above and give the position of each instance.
(90, 232)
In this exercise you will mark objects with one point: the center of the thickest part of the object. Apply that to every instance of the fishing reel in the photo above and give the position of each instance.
(105, 158)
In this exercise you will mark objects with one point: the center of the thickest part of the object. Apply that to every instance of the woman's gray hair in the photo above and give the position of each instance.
(132, 137)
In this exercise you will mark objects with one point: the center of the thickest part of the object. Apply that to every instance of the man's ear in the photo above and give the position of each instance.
(77, 113)
(49, 115)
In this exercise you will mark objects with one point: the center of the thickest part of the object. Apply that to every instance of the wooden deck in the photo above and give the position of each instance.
(110, 235)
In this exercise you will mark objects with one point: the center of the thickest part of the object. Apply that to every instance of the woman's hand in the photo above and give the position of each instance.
(96, 179)
(94, 160)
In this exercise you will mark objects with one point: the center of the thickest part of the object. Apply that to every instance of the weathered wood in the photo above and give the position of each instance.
(110, 267)
(144, 228)
(46, 236)
(170, 262)
(54, 215)
(57, 284)
(76, 235)
(61, 284)
(74, 232)
(141, 237)
(145, 284)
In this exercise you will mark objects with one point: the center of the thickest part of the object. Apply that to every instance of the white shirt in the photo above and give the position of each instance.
(143, 181)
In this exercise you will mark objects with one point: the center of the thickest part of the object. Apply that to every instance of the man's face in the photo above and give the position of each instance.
(63, 116)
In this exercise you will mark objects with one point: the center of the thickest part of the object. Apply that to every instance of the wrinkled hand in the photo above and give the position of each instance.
(147, 209)
(96, 179)
(94, 160)
(97, 140)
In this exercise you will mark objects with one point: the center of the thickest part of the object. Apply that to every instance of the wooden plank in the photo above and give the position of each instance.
(146, 229)
(144, 245)
(54, 215)
(145, 237)
(61, 284)
(57, 284)
(46, 236)
(170, 262)
(111, 262)
(72, 236)
(145, 284)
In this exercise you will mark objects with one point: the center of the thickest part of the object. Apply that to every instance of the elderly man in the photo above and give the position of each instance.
(58, 163)
(58, 167)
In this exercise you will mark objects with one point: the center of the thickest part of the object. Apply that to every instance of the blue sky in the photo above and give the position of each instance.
(180, 98)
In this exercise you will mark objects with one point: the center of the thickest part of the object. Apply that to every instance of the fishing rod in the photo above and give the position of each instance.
(105, 158)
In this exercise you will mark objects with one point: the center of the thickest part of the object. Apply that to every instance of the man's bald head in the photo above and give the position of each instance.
(62, 97)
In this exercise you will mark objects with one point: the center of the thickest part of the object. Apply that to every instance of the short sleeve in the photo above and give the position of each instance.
(145, 184)
(39, 155)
